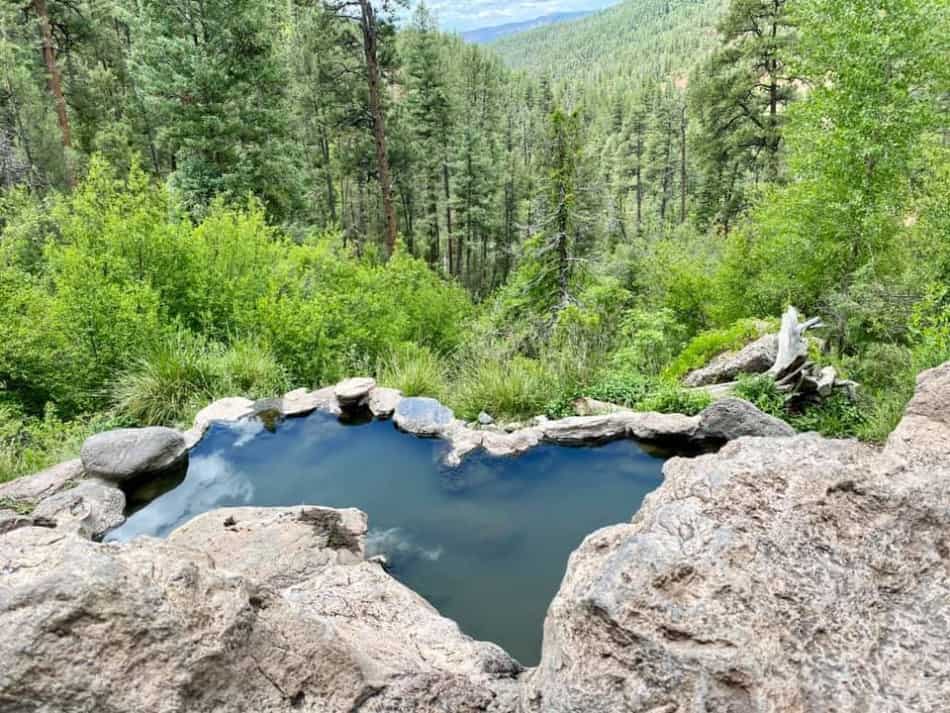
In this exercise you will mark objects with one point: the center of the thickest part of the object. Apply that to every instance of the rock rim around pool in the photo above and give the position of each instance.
(780, 574)
(129, 453)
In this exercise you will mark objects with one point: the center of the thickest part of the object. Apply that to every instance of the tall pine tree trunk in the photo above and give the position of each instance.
(448, 217)
(683, 164)
(370, 50)
(55, 83)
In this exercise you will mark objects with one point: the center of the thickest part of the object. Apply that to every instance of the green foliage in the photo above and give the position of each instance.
(29, 444)
(649, 341)
(503, 386)
(762, 392)
(181, 375)
(414, 370)
(837, 417)
(702, 348)
(668, 398)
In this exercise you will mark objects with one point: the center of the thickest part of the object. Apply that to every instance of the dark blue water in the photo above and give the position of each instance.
(486, 543)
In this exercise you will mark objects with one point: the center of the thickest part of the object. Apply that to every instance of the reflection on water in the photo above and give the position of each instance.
(486, 543)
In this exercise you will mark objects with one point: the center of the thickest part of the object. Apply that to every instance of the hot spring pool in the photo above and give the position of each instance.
(486, 543)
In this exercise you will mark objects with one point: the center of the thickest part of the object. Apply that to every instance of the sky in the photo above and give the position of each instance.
(461, 15)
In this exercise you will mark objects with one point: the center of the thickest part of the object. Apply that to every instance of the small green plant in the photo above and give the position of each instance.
(668, 398)
(836, 417)
(176, 377)
(762, 392)
(514, 387)
(415, 371)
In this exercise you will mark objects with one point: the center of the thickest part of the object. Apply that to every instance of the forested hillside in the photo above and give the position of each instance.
(199, 199)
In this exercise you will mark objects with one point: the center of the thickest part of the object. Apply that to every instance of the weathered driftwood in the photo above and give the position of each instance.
(792, 345)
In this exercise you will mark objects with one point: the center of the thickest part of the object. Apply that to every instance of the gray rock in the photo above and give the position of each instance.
(231, 408)
(484, 419)
(781, 574)
(30, 489)
(353, 391)
(423, 416)
(577, 430)
(383, 401)
(300, 402)
(89, 510)
(673, 428)
(731, 418)
(278, 546)
(211, 626)
(130, 452)
(754, 358)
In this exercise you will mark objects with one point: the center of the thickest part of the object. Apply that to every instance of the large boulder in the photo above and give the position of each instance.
(732, 418)
(128, 453)
(423, 416)
(248, 610)
(89, 510)
(280, 546)
(29, 490)
(754, 358)
(781, 574)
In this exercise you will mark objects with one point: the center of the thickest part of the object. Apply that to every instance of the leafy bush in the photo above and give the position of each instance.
(649, 341)
(702, 348)
(762, 392)
(668, 398)
(415, 371)
(29, 444)
(836, 417)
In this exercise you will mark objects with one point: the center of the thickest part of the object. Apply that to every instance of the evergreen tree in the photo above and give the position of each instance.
(739, 97)
(209, 74)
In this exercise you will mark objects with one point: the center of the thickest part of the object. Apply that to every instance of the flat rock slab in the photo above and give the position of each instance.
(89, 510)
(383, 401)
(300, 402)
(578, 430)
(353, 391)
(279, 546)
(732, 418)
(127, 453)
(423, 416)
(33, 488)
(232, 408)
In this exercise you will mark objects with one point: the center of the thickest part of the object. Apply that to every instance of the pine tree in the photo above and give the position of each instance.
(739, 98)
(209, 74)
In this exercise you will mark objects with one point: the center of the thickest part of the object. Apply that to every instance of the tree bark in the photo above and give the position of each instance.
(55, 82)
(683, 164)
(370, 50)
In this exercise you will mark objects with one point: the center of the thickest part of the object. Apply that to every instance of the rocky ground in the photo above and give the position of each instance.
(784, 573)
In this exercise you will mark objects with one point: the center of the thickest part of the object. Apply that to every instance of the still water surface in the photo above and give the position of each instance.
(486, 543)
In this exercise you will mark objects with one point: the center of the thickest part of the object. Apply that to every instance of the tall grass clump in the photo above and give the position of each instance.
(414, 370)
(508, 387)
(185, 372)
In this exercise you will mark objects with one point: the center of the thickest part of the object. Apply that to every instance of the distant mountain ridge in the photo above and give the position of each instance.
(632, 41)
(484, 35)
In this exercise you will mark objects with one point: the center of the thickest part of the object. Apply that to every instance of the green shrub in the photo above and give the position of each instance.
(707, 345)
(649, 341)
(836, 417)
(415, 371)
(505, 387)
(247, 368)
(672, 399)
(29, 444)
(762, 392)
(177, 377)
